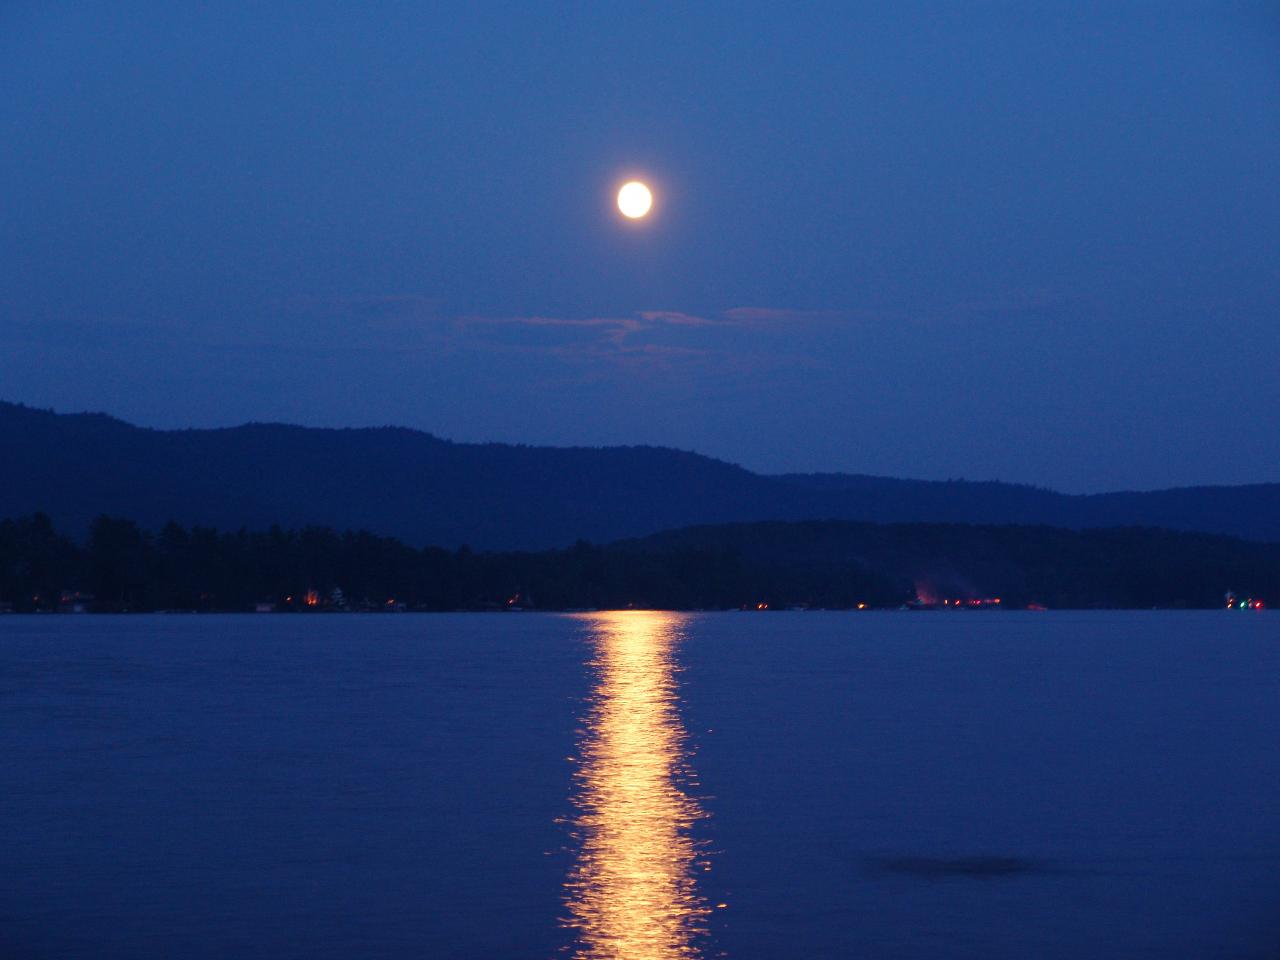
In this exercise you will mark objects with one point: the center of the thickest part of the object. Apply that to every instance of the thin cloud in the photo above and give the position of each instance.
(778, 316)
(678, 319)
(614, 330)
(659, 341)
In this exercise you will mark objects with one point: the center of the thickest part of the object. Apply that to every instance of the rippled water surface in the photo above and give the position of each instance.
(641, 786)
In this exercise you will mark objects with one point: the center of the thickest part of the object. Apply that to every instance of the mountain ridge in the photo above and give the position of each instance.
(425, 489)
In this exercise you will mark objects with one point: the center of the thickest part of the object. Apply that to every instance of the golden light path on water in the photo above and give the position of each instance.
(632, 894)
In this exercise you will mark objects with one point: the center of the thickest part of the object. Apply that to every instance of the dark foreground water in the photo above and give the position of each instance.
(641, 786)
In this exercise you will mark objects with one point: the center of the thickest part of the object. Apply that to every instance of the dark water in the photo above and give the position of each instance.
(641, 786)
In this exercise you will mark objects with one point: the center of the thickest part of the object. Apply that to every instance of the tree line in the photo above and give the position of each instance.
(121, 567)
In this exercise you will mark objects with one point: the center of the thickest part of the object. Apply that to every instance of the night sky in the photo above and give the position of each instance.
(1032, 242)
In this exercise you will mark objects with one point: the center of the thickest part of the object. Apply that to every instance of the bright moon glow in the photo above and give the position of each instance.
(634, 199)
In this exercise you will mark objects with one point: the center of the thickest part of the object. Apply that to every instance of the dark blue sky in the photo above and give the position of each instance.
(1034, 242)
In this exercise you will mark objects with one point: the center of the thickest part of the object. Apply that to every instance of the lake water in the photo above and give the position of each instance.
(641, 785)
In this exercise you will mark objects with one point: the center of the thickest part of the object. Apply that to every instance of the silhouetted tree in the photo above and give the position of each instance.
(119, 572)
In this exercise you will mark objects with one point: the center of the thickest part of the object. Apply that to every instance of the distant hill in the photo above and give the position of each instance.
(425, 490)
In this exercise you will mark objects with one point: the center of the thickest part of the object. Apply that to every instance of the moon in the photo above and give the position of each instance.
(634, 199)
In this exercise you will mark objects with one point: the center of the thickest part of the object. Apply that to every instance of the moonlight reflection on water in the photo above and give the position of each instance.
(632, 892)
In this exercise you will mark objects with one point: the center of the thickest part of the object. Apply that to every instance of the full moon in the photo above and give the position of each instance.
(634, 199)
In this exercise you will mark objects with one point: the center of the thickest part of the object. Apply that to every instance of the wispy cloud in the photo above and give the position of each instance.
(649, 321)
(648, 355)
(678, 319)
(657, 340)
(740, 341)
(783, 316)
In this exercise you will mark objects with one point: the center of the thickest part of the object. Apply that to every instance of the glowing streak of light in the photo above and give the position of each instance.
(631, 894)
